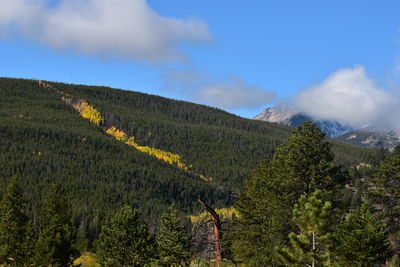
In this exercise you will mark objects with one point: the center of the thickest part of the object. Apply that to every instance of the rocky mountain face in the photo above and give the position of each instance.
(371, 137)
(279, 115)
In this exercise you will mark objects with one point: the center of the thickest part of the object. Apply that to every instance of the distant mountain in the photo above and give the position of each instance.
(373, 138)
(278, 115)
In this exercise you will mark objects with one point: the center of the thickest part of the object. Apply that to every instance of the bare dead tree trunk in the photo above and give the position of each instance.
(313, 247)
(217, 231)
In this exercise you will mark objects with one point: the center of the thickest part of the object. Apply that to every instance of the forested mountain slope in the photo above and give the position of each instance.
(44, 140)
(219, 144)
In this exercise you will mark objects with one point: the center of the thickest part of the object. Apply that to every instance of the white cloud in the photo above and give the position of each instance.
(117, 28)
(233, 93)
(229, 93)
(18, 15)
(349, 96)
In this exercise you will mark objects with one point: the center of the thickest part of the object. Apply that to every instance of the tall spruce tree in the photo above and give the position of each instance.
(255, 234)
(299, 167)
(360, 240)
(15, 228)
(310, 246)
(305, 163)
(384, 197)
(172, 240)
(126, 241)
(54, 245)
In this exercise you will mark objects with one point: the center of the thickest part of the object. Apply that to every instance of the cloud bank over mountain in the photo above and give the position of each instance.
(127, 29)
(230, 92)
(351, 97)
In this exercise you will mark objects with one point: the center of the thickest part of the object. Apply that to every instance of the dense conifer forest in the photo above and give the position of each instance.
(75, 188)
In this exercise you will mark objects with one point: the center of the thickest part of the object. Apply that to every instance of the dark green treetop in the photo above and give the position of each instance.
(172, 240)
(305, 163)
(15, 228)
(126, 241)
(255, 233)
(54, 245)
(384, 196)
(299, 167)
(360, 240)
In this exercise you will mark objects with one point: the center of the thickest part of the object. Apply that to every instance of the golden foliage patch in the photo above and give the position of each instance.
(89, 112)
(225, 213)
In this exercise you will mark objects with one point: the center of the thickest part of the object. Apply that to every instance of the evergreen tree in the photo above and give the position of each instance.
(360, 241)
(310, 246)
(126, 241)
(305, 163)
(384, 197)
(172, 240)
(54, 244)
(255, 234)
(299, 167)
(15, 228)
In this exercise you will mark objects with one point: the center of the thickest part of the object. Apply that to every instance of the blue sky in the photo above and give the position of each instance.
(241, 56)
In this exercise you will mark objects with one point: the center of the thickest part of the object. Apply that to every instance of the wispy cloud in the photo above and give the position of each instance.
(119, 28)
(232, 92)
(349, 96)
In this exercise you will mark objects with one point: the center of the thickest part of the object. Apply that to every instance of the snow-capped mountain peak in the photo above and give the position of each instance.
(279, 115)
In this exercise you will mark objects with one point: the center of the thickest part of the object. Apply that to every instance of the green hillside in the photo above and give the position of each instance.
(220, 144)
(44, 140)
(217, 143)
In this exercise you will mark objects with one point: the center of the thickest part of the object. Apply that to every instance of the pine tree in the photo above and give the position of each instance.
(172, 240)
(309, 247)
(15, 228)
(126, 241)
(54, 244)
(299, 167)
(360, 241)
(384, 197)
(305, 163)
(255, 233)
